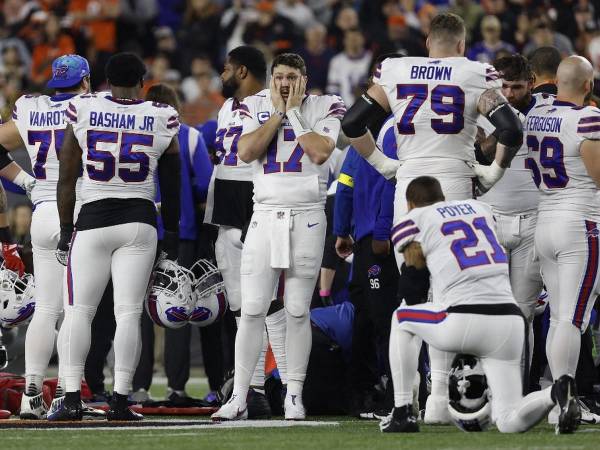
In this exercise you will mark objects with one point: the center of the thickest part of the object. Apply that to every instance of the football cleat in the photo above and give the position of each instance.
(232, 410)
(258, 406)
(588, 417)
(116, 413)
(33, 407)
(294, 409)
(436, 411)
(401, 420)
(90, 413)
(60, 411)
(564, 393)
(140, 396)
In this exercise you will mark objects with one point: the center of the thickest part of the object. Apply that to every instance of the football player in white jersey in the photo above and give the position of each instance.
(230, 206)
(474, 313)
(514, 199)
(121, 141)
(287, 136)
(564, 158)
(38, 123)
(436, 102)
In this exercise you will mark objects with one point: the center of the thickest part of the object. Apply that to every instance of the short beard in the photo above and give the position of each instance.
(229, 88)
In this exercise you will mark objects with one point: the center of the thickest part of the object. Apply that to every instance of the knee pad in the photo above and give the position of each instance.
(81, 312)
(47, 313)
(297, 308)
(128, 311)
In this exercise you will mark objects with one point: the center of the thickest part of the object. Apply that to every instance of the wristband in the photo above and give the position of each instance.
(384, 165)
(23, 179)
(297, 122)
(324, 293)
(496, 171)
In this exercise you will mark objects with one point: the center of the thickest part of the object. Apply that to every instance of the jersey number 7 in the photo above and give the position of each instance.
(446, 100)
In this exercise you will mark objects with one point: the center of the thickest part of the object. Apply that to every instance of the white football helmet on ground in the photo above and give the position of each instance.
(469, 406)
(17, 301)
(209, 292)
(170, 300)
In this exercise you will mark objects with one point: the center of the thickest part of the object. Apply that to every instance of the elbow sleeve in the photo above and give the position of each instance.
(361, 115)
(509, 128)
(5, 158)
(169, 170)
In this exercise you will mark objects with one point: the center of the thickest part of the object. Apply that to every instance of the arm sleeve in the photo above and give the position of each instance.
(203, 169)
(405, 231)
(342, 211)
(385, 216)
(588, 126)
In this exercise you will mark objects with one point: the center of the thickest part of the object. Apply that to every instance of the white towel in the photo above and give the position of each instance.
(280, 238)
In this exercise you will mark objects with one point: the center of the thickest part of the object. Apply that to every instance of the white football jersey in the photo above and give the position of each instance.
(435, 103)
(285, 176)
(554, 134)
(458, 239)
(515, 193)
(229, 130)
(40, 120)
(121, 141)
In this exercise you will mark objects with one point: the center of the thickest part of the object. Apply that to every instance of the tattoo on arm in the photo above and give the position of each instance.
(70, 163)
(488, 147)
(490, 100)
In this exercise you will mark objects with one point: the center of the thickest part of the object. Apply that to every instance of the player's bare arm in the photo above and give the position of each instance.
(487, 144)
(253, 146)
(413, 256)
(590, 153)
(10, 138)
(70, 162)
(509, 130)
(370, 107)
(317, 147)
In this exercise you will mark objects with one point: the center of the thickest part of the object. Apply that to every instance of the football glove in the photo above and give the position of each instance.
(487, 176)
(12, 260)
(64, 244)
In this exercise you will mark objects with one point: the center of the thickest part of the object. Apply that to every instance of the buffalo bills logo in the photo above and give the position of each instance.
(24, 313)
(374, 271)
(176, 314)
(61, 72)
(200, 314)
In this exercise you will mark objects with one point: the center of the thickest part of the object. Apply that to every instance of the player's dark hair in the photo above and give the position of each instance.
(514, 68)
(161, 93)
(447, 27)
(545, 61)
(289, 59)
(125, 70)
(423, 191)
(252, 58)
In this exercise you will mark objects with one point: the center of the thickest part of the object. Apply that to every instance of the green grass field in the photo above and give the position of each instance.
(349, 434)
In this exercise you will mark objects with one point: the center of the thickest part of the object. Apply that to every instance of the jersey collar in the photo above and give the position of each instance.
(125, 101)
(562, 103)
(62, 97)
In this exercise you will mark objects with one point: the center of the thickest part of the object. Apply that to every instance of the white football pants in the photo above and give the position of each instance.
(276, 239)
(568, 249)
(497, 340)
(126, 253)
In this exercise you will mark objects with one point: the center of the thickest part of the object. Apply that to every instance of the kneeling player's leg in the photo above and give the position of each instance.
(258, 281)
(307, 243)
(41, 332)
(131, 269)
(88, 271)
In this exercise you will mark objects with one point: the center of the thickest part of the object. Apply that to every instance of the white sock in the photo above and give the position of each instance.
(404, 359)
(39, 344)
(298, 342)
(563, 349)
(33, 384)
(248, 344)
(440, 366)
(76, 343)
(276, 326)
(258, 377)
(127, 345)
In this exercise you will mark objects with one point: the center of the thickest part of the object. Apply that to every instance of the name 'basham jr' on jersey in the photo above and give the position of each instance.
(435, 104)
(286, 176)
(121, 141)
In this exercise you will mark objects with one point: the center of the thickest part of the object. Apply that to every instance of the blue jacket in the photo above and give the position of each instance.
(196, 170)
(364, 198)
(337, 323)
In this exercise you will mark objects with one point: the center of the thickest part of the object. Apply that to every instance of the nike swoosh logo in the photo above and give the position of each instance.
(310, 225)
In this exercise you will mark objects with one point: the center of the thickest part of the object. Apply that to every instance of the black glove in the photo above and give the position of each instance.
(64, 243)
(170, 244)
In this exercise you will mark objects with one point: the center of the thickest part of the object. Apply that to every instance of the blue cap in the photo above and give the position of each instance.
(68, 70)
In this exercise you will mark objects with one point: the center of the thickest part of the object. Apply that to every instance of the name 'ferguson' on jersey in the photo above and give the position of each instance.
(467, 264)
(121, 141)
(435, 104)
(285, 176)
(555, 133)
(40, 120)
